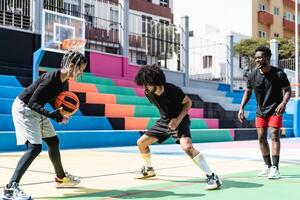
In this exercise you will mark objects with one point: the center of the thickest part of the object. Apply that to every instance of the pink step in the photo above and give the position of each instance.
(212, 123)
(196, 112)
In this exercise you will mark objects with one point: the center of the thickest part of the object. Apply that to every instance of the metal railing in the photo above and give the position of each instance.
(16, 14)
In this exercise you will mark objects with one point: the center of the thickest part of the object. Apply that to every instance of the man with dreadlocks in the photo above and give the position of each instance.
(174, 121)
(32, 123)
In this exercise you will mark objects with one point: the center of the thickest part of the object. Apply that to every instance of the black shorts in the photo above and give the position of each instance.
(161, 131)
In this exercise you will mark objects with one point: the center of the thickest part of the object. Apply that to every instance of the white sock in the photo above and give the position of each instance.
(200, 161)
(146, 159)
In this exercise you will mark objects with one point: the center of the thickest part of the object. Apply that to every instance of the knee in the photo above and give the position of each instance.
(52, 142)
(275, 137)
(35, 149)
(262, 139)
(188, 148)
(141, 143)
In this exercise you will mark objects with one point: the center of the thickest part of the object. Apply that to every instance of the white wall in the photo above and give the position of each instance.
(226, 15)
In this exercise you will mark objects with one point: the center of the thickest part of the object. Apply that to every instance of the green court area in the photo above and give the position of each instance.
(238, 186)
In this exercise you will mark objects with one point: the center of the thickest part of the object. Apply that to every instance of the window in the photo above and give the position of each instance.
(276, 11)
(207, 62)
(262, 34)
(262, 7)
(164, 3)
(276, 35)
(287, 16)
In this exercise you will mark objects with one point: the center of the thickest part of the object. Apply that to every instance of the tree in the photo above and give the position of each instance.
(286, 48)
(246, 49)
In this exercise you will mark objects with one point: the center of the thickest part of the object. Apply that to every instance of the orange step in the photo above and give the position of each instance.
(82, 87)
(134, 123)
(117, 110)
(96, 98)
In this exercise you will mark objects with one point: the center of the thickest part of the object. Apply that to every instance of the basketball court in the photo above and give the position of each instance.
(109, 173)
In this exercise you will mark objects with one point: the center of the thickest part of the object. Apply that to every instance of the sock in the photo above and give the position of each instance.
(146, 158)
(200, 161)
(267, 159)
(275, 159)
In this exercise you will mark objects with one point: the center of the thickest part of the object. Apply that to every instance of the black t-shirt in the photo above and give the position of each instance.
(169, 103)
(268, 90)
(42, 91)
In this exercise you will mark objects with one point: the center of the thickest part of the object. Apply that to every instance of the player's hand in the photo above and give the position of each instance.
(65, 119)
(174, 123)
(280, 109)
(241, 115)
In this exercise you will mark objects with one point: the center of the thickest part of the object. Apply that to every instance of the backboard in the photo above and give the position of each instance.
(57, 27)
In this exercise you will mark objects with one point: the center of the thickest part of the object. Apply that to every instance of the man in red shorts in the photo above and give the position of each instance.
(272, 92)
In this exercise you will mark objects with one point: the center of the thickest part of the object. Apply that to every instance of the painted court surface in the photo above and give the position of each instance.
(109, 173)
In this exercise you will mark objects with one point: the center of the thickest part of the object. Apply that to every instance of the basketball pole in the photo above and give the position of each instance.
(297, 103)
(37, 57)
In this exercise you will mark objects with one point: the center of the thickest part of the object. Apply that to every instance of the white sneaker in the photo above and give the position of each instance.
(14, 193)
(274, 173)
(68, 181)
(265, 172)
(213, 182)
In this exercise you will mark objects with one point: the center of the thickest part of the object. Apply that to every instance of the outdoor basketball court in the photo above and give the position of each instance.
(109, 173)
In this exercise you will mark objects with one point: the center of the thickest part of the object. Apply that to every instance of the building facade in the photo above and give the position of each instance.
(273, 18)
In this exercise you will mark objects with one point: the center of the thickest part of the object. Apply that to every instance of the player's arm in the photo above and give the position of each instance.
(35, 104)
(246, 98)
(287, 95)
(187, 104)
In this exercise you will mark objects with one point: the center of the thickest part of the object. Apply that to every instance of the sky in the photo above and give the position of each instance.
(215, 14)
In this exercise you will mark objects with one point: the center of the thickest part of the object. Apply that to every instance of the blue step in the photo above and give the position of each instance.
(77, 139)
(6, 105)
(75, 123)
(9, 81)
(9, 91)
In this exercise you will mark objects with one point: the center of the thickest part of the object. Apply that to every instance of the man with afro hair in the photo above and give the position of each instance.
(174, 121)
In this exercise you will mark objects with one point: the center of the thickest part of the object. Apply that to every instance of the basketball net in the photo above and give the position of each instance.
(73, 44)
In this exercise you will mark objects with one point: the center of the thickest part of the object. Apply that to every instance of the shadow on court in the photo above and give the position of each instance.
(124, 194)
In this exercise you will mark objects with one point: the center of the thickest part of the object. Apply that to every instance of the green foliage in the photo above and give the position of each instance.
(286, 48)
(246, 48)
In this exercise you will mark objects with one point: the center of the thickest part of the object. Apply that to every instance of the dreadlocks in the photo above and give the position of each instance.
(150, 75)
(74, 57)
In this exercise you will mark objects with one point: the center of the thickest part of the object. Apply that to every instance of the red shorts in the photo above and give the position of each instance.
(271, 121)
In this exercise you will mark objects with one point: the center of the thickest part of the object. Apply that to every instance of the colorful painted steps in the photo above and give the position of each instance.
(109, 123)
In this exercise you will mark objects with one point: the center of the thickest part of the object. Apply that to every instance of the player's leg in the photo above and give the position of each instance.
(63, 179)
(275, 124)
(261, 128)
(143, 144)
(213, 181)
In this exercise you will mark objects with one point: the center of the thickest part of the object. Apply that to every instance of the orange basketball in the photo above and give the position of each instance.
(68, 101)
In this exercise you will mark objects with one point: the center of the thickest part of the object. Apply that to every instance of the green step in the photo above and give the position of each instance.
(124, 99)
(207, 135)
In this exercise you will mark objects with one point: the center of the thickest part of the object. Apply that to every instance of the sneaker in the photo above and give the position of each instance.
(265, 172)
(274, 173)
(14, 193)
(213, 182)
(67, 181)
(146, 172)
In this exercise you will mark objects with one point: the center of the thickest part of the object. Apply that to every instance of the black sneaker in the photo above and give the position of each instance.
(213, 182)
(146, 172)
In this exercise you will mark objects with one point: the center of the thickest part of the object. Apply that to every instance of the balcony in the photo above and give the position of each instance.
(265, 17)
(289, 25)
(151, 8)
(290, 3)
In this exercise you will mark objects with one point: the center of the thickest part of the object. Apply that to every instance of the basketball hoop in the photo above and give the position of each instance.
(73, 44)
